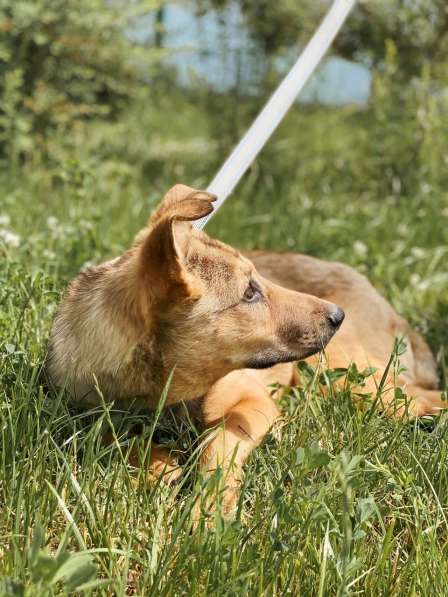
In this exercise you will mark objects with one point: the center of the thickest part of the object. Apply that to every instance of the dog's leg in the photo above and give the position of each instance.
(161, 463)
(241, 409)
(425, 367)
(420, 402)
(424, 402)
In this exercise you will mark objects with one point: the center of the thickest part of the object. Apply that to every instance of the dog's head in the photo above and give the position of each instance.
(207, 306)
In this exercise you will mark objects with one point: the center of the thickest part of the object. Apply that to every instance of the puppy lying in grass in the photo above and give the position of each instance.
(180, 303)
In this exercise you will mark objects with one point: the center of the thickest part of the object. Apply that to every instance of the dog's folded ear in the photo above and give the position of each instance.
(163, 247)
(184, 203)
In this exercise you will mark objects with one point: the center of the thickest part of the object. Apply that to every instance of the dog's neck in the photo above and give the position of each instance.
(132, 355)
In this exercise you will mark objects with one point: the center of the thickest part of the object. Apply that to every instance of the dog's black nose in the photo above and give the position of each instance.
(336, 317)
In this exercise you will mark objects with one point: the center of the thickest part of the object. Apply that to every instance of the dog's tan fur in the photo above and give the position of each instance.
(181, 303)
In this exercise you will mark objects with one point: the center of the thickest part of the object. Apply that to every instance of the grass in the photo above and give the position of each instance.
(343, 501)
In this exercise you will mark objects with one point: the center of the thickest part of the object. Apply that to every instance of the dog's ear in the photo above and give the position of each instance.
(162, 250)
(184, 203)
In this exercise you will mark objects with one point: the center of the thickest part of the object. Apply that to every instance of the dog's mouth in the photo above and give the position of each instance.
(269, 358)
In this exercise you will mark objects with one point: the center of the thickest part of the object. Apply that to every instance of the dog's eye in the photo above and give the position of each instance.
(252, 293)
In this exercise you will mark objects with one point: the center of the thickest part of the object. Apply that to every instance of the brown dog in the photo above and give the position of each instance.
(181, 303)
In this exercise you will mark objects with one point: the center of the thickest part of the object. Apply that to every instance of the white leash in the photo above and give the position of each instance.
(267, 121)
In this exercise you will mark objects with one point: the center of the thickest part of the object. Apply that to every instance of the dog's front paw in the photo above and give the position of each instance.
(220, 502)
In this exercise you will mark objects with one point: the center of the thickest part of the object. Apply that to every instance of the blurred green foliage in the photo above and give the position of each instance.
(74, 86)
(62, 62)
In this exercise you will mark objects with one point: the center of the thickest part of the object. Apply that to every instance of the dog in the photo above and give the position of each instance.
(222, 326)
